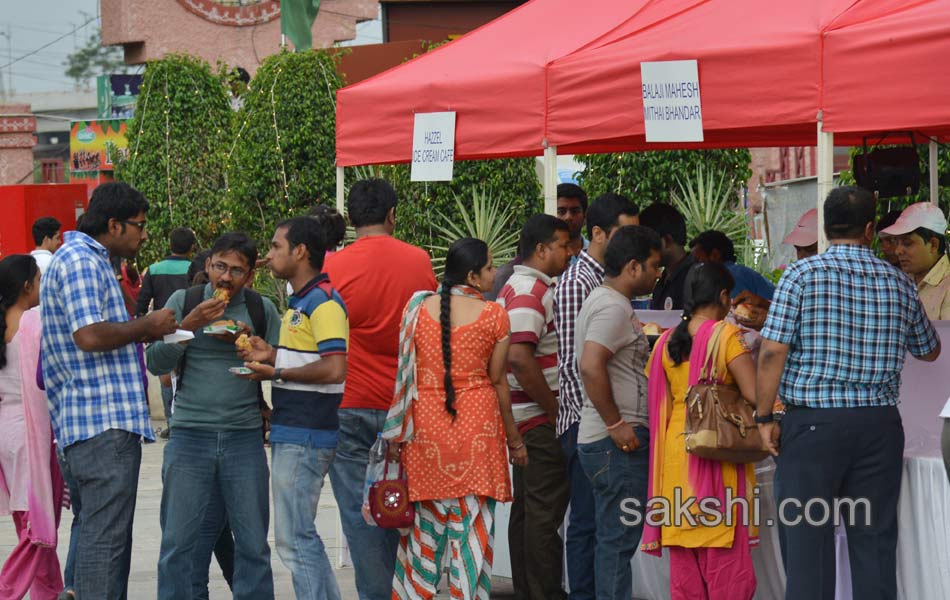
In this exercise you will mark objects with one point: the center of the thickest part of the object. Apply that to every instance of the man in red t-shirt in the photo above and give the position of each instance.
(376, 276)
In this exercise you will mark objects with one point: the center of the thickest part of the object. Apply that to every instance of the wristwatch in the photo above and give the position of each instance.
(277, 378)
(763, 419)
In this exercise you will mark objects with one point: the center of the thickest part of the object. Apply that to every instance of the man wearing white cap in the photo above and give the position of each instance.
(805, 235)
(922, 252)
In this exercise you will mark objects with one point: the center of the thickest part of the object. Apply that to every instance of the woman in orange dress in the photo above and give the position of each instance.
(452, 416)
(708, 560)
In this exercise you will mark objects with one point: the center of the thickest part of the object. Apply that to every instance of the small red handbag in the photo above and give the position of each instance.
(389, 502)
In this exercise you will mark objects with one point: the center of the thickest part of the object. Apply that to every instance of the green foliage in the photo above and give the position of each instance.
(707, 204)
(650, 176)
(283, 157)
(93, 59)
(513, 182)
(178, 141)
(488, 219)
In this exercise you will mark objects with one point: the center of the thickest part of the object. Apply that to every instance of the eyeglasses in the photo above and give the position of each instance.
(140, 224)
(236, 272)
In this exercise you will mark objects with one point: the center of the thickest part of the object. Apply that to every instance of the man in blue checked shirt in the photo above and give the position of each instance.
(833, 348)
(94, 382)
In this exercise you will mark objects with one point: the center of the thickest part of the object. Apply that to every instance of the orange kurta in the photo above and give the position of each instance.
(468, 455)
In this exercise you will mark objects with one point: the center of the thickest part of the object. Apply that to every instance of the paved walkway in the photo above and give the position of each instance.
(147, 535)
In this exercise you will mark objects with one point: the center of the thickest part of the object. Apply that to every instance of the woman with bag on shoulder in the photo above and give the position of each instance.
(710, 556)
(451, 417)
(31, 484)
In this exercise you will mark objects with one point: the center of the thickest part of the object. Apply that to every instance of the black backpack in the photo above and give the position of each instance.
(255, 308)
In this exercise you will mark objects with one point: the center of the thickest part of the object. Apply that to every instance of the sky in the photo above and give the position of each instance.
(27, 25)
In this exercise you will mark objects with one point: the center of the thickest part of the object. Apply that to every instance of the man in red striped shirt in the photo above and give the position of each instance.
(541, 489)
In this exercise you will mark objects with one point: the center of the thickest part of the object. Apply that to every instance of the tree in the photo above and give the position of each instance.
(178, 142)
(94, 59)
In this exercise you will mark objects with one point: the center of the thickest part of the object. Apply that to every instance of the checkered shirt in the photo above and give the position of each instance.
(849, 319)
(89, 392)
(572, 289)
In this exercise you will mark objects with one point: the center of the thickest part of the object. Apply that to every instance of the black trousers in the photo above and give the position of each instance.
(829, 454)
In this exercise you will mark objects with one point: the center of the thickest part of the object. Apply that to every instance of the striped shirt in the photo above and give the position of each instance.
(89, 392)
(574, 286)
(529, 299)
(849, 319)
(315, 325)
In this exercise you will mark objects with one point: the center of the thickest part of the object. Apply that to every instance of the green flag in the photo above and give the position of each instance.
(296, 20)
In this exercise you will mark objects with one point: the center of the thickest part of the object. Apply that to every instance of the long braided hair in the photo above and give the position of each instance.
(704, 282)
(464, 256)
(16, 271)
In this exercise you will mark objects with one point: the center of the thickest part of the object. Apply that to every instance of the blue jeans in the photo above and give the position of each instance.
(298, 473)
(373, 549)
(214, 538)
(105, 473)
(196, 462)
(616, 476)
(582, 527)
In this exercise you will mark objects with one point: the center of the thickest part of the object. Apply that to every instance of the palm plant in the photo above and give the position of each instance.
(706, 204)
(488, 219)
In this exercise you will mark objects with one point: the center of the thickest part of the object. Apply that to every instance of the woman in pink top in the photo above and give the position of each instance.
(31, 486)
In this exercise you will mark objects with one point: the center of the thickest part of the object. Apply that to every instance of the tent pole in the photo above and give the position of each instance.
(934, 183)
(339, 190)
(826, 167)
(550, 180)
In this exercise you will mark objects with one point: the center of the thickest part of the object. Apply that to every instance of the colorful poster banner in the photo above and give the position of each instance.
(93, 145)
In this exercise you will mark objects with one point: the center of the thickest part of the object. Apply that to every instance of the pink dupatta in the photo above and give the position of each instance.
(43, 467)
(705, 476)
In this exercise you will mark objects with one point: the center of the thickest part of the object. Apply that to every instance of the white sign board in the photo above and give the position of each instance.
(671, 106)
(433, 146)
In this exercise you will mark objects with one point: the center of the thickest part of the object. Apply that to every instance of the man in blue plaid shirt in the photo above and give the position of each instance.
(833, 348)
(94, 382)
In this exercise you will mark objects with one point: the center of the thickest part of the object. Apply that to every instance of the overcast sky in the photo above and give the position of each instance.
(32, 24)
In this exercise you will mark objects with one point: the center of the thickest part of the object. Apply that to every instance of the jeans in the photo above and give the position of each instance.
(541, 494)
(105, 470)
(372, 549)
(75, 504)
(298, 473)
(616, 476)
(829, 453)
(214, 538)
(196, 462)
(167, 404)
(582, 527)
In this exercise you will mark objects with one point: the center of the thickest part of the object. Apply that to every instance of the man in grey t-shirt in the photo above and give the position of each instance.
(613, 439)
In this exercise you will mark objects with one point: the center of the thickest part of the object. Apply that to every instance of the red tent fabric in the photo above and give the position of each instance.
(543, 74)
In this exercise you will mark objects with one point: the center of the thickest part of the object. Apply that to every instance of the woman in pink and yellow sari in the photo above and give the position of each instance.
(708, 561)
(31, 486)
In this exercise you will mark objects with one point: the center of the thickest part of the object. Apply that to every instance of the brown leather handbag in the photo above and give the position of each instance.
(719, 424)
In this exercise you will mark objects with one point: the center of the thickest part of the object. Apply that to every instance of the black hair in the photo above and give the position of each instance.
(704, 283)
(572, 190)
(113, 200)
(196, 271)
(181, 240)
(928, 234)
(606, 209)
(307, 231)
(631, 242)
(539, 229)
(665, 220)
(464, 256)
(240, 74)
(716, 240)
(239, 242)
(369, 202)
(333, 223)
(45, 227)
(888, 220)
(848, 210)
(16, 270)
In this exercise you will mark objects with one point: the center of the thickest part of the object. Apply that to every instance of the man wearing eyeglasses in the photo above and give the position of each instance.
(215, 469)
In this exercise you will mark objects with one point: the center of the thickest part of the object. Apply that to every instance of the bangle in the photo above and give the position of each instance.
(616, 425)
(518, 447)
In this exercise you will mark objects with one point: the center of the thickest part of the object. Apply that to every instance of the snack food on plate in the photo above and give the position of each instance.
(652, 329)
(224, 323)
(744, 312)
(221, 294)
